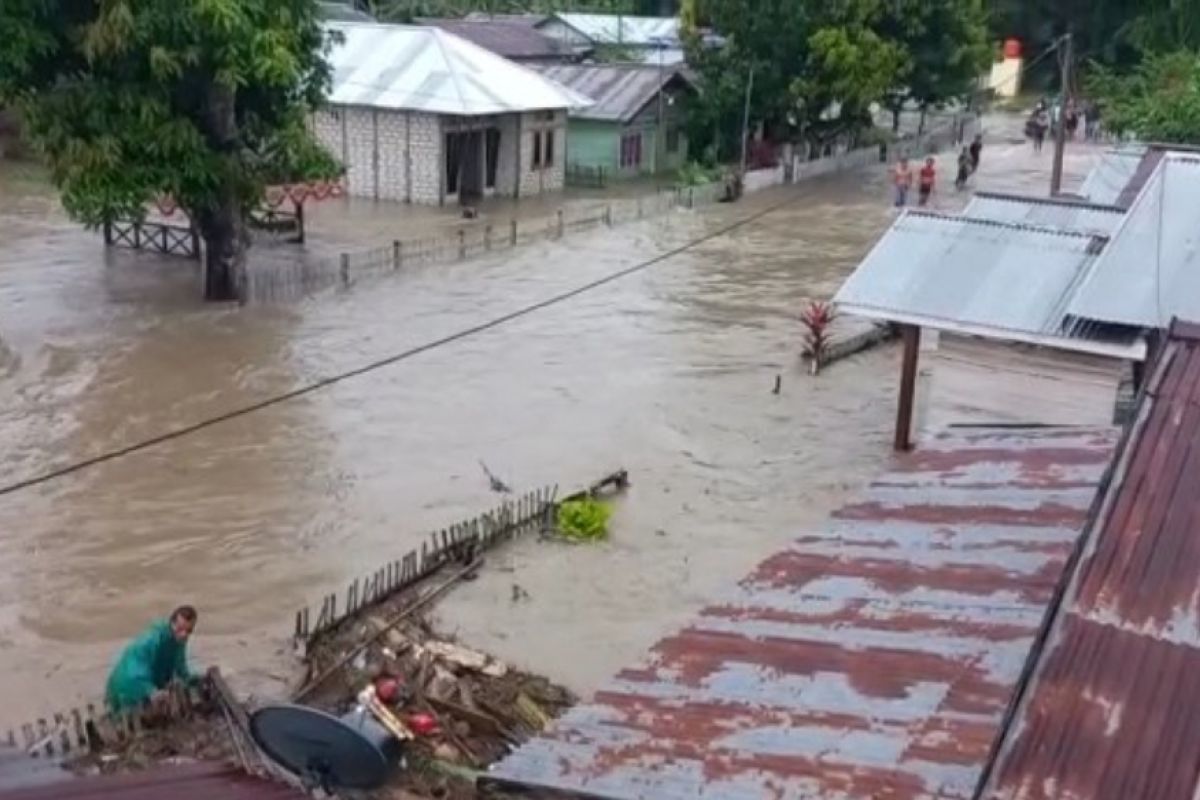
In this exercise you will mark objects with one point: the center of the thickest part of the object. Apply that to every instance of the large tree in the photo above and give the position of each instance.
(817, 66)
(202, 100)
(1157, 101)
(946, 48)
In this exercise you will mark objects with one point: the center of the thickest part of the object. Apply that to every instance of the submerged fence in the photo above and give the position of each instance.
(458, 543)
(270, 280)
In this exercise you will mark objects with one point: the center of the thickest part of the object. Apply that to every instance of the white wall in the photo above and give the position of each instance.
(535, 181)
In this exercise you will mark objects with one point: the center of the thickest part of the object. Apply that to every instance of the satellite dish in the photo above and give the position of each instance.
(353, 752)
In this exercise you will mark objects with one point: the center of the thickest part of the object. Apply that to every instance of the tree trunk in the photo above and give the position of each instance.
(222, 223)
(895, 120)
(921, 125)
(225, 239)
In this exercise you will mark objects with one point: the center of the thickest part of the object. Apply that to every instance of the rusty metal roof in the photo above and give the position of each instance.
(183, 782)
(1113, 708)
(872, 659)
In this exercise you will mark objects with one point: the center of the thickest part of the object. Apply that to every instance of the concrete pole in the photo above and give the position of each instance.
(911, 335)
(1066, 55)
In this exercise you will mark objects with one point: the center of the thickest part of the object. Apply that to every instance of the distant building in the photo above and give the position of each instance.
(636, 124)
(419, 115)
(514, 36)
(345, 11)
(650, 40)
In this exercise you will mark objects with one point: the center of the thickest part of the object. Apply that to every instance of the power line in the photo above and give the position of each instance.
(322, 383)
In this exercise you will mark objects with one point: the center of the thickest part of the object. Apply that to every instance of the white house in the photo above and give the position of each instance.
(419, 115)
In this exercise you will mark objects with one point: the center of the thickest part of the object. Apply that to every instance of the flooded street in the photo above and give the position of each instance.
(667, 372)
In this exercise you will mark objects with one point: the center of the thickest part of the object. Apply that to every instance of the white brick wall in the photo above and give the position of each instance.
(544, 179)
(397, 155)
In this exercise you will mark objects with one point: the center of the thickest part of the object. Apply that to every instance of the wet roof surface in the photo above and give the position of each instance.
(1113, 710)
(872, 659)
(187, 782)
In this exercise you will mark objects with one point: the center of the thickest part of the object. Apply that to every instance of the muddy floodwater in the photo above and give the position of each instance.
(667, 372)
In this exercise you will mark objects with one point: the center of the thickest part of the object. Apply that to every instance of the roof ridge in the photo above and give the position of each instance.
(1050, 201)
(438, 35)
(1007, 224)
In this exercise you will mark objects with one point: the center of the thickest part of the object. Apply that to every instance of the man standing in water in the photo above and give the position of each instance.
(928, 178)
(902, 177)
(152, 661)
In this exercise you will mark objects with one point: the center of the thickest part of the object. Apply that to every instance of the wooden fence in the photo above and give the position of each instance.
(458, 543)
(586, 177)
(162, 237)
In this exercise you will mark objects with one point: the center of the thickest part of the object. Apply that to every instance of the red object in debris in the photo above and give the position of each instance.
(1012, 48)
(423, 724)
(387, 689)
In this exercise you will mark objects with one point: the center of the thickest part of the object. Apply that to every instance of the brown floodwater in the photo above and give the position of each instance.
(667, 372)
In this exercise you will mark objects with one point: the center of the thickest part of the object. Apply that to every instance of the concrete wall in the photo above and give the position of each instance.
(594, 144)
(546, 178)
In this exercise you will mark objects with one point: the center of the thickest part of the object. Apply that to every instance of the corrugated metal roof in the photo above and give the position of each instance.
(417, 68)
(996, 279)
(1108, 179)
(1113, 708)
(20, 771)
(623, 29)
(516, 38)
(619, 91)
(184, 782)
(344, 11)
(1048, 212)
(1150, 270)
(874, 659)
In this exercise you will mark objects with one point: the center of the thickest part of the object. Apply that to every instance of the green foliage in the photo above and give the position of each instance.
(945, 46)
(1158, 101)
(409, 10)
(696, 174)
(584, 520)
(203, 99)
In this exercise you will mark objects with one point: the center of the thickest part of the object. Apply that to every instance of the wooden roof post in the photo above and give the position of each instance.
(911, 336)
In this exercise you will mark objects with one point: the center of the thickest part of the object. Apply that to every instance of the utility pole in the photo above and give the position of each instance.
(746, 118)
(1066, 56)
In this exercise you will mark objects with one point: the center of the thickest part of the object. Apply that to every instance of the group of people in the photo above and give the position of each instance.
(926, 177)
(1046, 118)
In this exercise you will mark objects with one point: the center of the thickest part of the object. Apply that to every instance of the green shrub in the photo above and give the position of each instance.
(583, 520)
(696, 174)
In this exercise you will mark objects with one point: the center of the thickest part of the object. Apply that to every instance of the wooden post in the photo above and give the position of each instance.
(560, 223)
(137, 236)
(397, 253)
(512, 235)
(108, 232)
(911, 336)
(462, 243)
(608, 215)
(195, 242)
(487, 238)
(345, 269)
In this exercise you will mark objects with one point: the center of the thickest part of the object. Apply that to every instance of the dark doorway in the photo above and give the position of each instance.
(464, 165)
(493, 157)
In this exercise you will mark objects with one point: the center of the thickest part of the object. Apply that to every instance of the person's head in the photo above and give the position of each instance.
(903, 161)
(183, 622)
(978, 139)
(929, 161)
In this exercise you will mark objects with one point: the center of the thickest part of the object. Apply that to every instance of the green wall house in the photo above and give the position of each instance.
(635, 125)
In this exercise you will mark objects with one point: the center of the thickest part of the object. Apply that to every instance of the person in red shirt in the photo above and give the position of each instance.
(927, 178)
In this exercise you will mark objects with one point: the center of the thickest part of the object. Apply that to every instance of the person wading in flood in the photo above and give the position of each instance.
(976, 152)
(902, 177)
(964, 169)
(928, 179)
(151, 662)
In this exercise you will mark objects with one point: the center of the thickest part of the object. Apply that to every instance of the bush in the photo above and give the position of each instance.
(696, 174)
(583, 520)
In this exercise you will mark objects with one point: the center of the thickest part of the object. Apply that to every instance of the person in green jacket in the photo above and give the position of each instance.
(151, 661)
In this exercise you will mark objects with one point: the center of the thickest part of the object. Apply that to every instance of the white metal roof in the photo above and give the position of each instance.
(624, 29)
(995, 279)
(418, 68)
(1150, 271)
(1112, 174)
(1049, 212)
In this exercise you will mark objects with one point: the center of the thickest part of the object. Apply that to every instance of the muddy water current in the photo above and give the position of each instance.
(667, 372)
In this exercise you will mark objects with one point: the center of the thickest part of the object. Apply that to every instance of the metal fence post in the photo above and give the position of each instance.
(137, 235)
(107, 232)
(345, 269)
(513, 233)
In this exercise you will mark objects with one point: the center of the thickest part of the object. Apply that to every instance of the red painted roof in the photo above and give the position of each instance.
(1112, 711)
(184, 782)
(872, 658)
